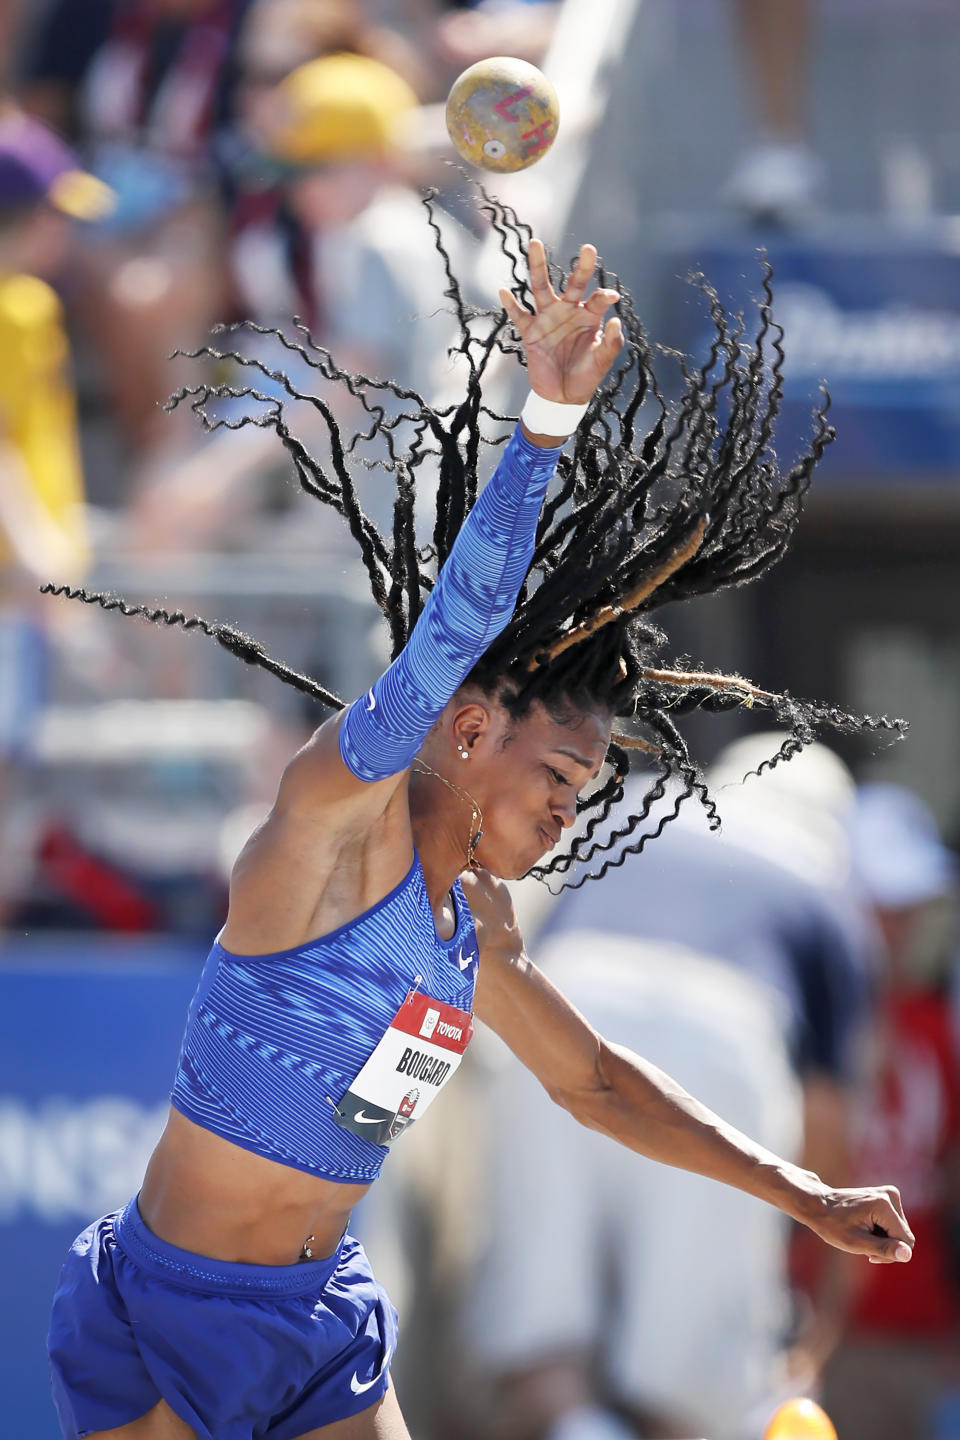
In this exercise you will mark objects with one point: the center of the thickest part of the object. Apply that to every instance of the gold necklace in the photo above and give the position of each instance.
(477, 814)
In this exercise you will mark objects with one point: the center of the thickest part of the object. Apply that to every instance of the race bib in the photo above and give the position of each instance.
(420, 1050)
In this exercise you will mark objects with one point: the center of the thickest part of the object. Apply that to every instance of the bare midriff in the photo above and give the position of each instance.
(205, 1194)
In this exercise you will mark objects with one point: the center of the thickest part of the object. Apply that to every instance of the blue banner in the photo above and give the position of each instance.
(874, 313)
(89, 1034)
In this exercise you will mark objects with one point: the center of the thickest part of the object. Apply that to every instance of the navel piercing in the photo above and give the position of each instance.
(306, 1253)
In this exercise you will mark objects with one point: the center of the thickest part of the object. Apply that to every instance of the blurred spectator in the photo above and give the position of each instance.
(635, 1300)
(41, 189)
(903, 1341)
(144, 85)
(770, 895)
(452, 34)
(472, 32)
(42, 529)
(12, 19)
(764, 910)
(279, 35)
(341, 238)
(150, 74)
(777, 179)
(326, 228)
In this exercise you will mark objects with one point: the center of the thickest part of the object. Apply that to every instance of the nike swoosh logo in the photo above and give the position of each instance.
(371, 700)
(362, 1119)
(355, 1384)
(464, 964)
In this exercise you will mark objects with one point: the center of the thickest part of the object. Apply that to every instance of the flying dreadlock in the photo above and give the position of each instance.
(694, 504)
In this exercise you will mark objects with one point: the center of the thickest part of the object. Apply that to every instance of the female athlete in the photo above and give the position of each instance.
(368, 916)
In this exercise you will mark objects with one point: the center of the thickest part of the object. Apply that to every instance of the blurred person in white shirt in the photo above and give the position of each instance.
(328, 229)
(738, 961)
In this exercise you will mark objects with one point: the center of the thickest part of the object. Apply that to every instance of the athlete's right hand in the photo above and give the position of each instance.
(568, 347)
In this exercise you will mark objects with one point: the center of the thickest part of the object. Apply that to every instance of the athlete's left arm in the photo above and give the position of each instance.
(609, 1088)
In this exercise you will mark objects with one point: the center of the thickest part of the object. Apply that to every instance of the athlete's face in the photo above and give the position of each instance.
(527, 776)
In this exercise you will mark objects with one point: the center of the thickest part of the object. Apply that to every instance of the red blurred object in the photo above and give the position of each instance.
(112, 900)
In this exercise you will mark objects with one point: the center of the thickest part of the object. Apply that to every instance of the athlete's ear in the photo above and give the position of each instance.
(473, 720)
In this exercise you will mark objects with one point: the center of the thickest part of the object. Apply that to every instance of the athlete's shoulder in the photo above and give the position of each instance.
(320, 787)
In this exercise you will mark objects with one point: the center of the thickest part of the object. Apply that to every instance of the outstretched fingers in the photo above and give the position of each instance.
(611, 342)
(568, 345)
(579, 277)
(561, 321)
(546, 297)
(518, 315)
(543, 292)
(601, 300)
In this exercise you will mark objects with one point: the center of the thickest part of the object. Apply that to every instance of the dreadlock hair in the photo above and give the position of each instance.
(691, 503)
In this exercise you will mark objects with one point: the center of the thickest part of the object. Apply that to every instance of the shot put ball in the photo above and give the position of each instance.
(502, 114)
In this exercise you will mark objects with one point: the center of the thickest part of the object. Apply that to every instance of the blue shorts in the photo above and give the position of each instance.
(240, 1352)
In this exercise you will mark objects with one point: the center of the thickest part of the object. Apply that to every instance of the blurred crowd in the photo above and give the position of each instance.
(167, 165)
(799, 974)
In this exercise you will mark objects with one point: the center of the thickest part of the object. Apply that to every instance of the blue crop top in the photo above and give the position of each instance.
(273, 1042)
(324, 1006)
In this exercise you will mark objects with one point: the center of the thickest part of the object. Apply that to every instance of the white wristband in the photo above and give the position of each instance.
(550, 417)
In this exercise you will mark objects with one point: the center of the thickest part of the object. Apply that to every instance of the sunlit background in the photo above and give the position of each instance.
(799, 973)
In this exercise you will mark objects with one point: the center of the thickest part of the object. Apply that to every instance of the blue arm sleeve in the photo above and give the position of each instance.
(470, 604)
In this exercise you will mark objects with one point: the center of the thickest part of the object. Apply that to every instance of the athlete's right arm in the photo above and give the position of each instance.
(470, 604)
(468, 607)
(620, 1094)
(568, 351)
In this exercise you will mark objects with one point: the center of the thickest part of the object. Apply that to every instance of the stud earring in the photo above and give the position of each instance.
(464, 752)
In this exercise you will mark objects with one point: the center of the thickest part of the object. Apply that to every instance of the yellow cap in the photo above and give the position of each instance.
(340, 107)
